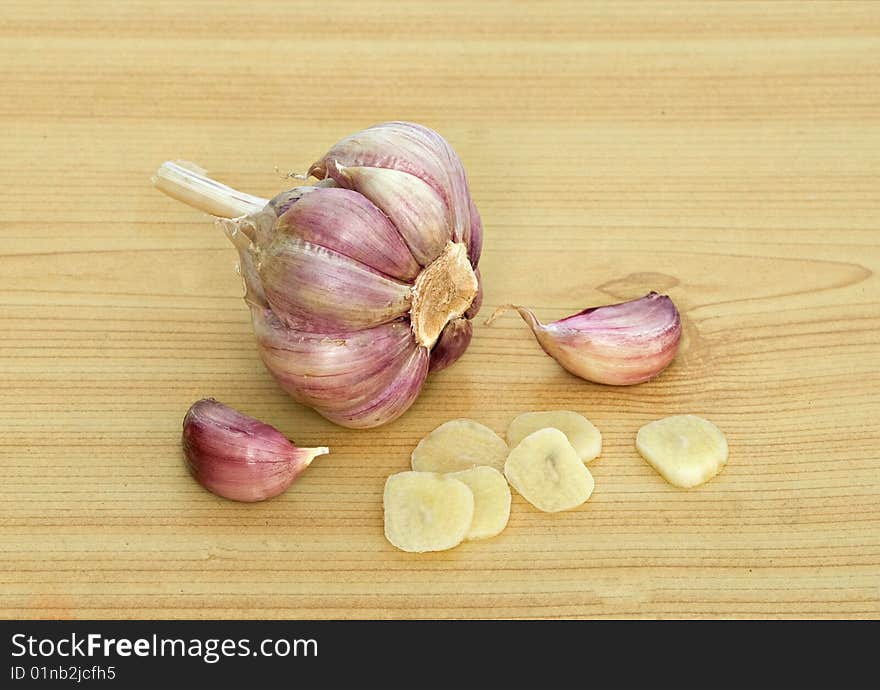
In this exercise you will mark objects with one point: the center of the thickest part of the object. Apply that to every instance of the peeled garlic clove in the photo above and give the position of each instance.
(357, 379)
(239, 457)
(491, 501)
(618, 344)
(416, 210)
(547, 472)
(425, 511)
(350, 224)
(459, 444)
(453, 342)
(581, 433)
(686, 450)
(313, 288)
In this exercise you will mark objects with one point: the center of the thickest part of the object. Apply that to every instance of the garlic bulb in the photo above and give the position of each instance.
(239, 457)
(618, 344)
(361, 284)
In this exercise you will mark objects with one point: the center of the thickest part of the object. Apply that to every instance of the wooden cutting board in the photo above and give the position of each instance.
(727, 154)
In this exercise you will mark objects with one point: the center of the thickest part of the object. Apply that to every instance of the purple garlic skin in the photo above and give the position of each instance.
(452, 344)
(239, 457)
(362, 283)
(617, 344)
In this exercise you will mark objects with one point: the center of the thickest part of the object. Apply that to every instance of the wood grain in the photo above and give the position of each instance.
(726, 153)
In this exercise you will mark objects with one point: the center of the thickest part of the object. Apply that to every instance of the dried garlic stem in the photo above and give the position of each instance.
(188, 183)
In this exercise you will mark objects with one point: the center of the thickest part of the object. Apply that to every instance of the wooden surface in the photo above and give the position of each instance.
(727, 154)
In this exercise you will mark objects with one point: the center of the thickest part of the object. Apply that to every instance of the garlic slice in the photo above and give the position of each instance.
(425, 511)
(580, 431)
(685, 449)
(459, 444)
(491, 500)
(547, 472)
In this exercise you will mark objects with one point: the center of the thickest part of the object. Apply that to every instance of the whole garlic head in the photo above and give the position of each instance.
(363, 282)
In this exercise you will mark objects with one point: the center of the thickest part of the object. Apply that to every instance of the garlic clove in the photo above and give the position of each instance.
(410, 148)
(348, 223)
(312, 355)
(358, 379)
(399, 394)
(453, 342)
(393, 145)
(475, 240)
(239, 457)
(313, 288)
(618, 344)
(417, 211)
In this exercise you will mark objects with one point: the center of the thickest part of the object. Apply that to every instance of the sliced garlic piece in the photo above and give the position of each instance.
(580, 431)
(685, 449)
(491, 500)
(546, 470)
(459, 445)
(425, 511)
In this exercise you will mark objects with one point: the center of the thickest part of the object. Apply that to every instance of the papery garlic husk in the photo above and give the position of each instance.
(363, 282)
(618, 344)
(239, 457)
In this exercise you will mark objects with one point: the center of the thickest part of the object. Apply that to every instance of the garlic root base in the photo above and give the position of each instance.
(443, 291)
